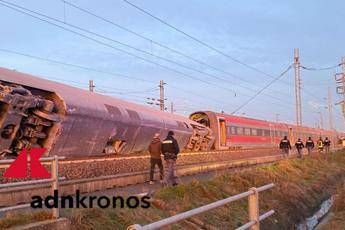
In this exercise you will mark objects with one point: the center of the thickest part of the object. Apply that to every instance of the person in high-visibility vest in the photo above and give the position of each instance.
(320, 144)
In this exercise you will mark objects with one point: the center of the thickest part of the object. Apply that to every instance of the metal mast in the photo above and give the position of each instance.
(298, 88)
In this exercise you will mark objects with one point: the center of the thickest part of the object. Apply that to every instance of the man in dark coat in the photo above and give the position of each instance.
(299, 146)
(327, 144)
(155, 153)
(285, 145)
(170, 149)
(309, 144)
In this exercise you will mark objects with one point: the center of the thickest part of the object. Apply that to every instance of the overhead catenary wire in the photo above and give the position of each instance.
(70, 30)
(107, 73)
(74, 65)
(14, 7)
(220, 103)
(152, 41)
(321, 69)
(261, 90)
(198, 40)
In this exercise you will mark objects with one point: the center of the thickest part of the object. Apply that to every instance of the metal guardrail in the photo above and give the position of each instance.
(253, 211)
(54, 180)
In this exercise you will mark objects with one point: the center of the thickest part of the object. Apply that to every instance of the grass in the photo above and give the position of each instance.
(301, 186)
(11, 220)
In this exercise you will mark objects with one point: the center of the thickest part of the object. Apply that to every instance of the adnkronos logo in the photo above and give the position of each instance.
(19, 169)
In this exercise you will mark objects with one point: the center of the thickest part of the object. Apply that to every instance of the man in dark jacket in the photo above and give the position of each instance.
(155, 153)
(285, 145)
(327, 144)
(299, 146)
(309, 144)
(170, 149)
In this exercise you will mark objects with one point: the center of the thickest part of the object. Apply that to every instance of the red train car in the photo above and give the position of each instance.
(242, 132)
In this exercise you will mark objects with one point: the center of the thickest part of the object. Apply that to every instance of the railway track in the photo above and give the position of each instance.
(108, 166)
(127, 157)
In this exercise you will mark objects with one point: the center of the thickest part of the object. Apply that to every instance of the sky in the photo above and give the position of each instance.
(258, 35)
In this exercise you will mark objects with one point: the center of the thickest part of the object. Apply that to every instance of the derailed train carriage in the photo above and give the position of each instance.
(235, 132)
(68, 121)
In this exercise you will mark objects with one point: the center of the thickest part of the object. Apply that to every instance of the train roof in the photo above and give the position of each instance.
(259, 122)
(82, 98)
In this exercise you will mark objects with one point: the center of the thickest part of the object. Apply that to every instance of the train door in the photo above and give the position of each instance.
(272, 134)
(222, 132)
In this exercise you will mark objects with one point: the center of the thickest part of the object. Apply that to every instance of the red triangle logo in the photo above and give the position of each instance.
(19, 168)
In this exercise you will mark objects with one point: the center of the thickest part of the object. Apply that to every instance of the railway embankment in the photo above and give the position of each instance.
(302, 185)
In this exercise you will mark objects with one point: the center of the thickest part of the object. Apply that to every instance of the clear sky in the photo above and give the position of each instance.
(261, 34)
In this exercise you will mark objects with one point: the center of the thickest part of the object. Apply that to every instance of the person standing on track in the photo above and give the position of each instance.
(320, 145)
(327, 144)
(170, 149)
(155, 159)
(285, 146)
(309, 144)
(299, 146)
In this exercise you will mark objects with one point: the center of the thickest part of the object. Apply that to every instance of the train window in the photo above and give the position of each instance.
(133, 114)
(247, 131)
(266, 133)
(239, 130)
(233, 130)
(113, 110)
(254, 132)
(259, 132)
(228, 131)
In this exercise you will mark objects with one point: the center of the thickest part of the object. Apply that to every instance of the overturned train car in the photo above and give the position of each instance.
(68, 121)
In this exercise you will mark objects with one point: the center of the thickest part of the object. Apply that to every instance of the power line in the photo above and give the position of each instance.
(118, 49)
(165, 59)
(320, 69)
(110, 46)
(202, 96)
(128, 53)
(104, 72)
(90, 38)
(74, 65)
(198, 40)
(160, 44)
(261, 90)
